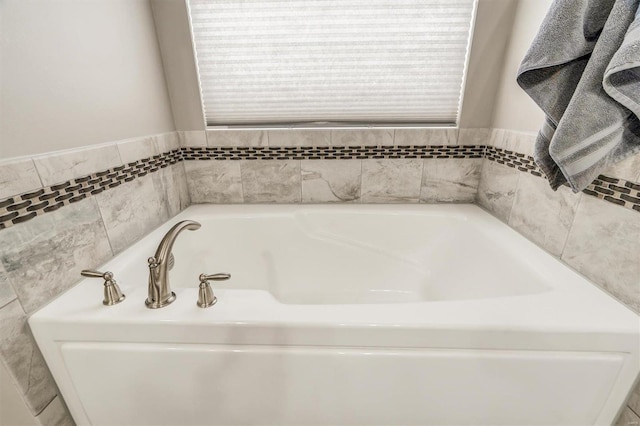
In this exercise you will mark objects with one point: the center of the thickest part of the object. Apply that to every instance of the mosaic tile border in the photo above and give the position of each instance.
(515, 160)
(618, 191)
(334, 152)
(23, 207)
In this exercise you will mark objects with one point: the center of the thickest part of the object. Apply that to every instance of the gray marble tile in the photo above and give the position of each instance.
(266, 181)
(331, 181)
(62, 166)
(627, 418)
(237, 138)
(541, 214)
(361, 137)
(497, 189)
(7, 294)
(55, 414)
(450, 180)
(23, 359)
(132, 210)
(522, 142)
(498, 138)
(166, 142)
(627, 169)
(426, 137)
(634, 399)
(17, 177)
(214, 181)
(176, 190)
(603, 244)
(192, 138)
(519, 142)
(391, 181)
(44, 256)
(294, 137)
(136, 149)
(473, 136)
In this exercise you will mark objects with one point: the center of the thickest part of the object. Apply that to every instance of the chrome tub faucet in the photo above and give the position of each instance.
(160, 294)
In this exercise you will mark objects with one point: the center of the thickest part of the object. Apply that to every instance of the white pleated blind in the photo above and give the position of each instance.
(344, 61)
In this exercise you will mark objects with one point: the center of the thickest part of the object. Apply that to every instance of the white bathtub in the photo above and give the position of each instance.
(363, 315)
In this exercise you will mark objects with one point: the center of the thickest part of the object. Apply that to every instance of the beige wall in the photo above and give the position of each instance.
(174, 36)
(77, 73)
(514, 109)
(494, 21)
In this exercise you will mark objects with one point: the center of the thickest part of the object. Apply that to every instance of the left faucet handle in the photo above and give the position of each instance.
(112, 293)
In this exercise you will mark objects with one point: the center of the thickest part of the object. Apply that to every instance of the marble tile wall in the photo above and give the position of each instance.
(42, 257)
(599, 239)
(375, 180)
(334, 137)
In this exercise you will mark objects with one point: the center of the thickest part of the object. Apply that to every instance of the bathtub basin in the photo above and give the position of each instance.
(354, 315)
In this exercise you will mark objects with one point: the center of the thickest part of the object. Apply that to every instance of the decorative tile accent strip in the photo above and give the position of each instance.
(333, 152)
(515, 160)
(618, 191)
(21, 208)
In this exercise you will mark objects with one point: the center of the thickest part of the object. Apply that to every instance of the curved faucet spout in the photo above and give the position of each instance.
(164, 248)
(160, 293)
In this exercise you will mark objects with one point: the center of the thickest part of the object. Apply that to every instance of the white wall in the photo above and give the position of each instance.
(514, 109)
(78, 72)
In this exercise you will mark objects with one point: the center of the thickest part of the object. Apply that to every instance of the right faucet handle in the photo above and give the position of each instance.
(206, 297)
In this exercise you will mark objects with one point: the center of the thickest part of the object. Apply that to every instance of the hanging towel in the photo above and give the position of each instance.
(583, 70)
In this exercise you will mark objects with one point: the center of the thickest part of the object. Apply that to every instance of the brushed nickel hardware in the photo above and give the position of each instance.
(160, 294)
(112, 293)
(206, 297)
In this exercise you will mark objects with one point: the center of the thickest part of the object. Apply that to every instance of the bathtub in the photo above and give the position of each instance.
(344, 315)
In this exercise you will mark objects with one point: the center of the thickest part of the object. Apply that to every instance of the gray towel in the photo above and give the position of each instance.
(583, 70)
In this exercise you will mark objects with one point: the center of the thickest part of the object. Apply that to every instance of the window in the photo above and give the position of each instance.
(270, 62)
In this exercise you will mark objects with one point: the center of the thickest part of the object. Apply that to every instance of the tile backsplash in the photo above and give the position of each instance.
(375, 165)
(596, 235)
(77, 217)
(71, 210)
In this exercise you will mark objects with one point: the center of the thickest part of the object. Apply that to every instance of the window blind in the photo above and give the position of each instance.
(342, 61)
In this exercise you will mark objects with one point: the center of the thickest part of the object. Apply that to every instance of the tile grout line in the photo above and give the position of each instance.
(37, 172)
(422, 180)
(573, 222)
(240, 163)
(513, 201)
(104, 225)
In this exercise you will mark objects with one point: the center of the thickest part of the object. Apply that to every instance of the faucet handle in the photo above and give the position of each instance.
(214, 277)
(206, 297)
(92, 273)
(112, 293)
